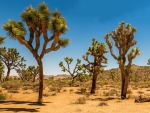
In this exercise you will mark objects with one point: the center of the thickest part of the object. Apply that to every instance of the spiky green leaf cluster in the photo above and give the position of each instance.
(36, 16)
(2, 39)
(57, 23)
(14, 29)
(63, 42)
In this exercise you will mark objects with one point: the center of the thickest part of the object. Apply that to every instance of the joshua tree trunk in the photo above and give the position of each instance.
(94, 81)
(40, 80)
(94, 84)
(8, 72)
(125, 82)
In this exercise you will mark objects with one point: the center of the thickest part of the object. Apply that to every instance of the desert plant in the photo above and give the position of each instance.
(39, 21)
(94, 68)
(2, 40)
(112, 75)
(81, 100)
(11, 85)
(123, 37)
(11, 59)
(78, 70)
(103, 104)
(3, 96)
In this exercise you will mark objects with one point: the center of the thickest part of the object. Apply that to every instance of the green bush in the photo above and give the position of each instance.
(3, 96)
(11, 85)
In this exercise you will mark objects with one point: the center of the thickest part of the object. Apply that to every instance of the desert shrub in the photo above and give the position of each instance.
(129, 91)
(27, 87)
(52, 89)
(71, 90)
(103, 104)
(53, 94)
(82, 90)
(140, 92)
(27, 84)
(45, 94)
(13, 91)
(135, 88)
(3, 96)
(148, 90)
(81, 100)
(35, 89)
(110, 92)
(35, 84)
(11, 85)
(64, 90)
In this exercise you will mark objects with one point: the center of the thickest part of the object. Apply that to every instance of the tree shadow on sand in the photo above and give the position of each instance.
(19, 109)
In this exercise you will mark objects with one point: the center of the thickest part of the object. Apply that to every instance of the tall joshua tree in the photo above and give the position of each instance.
(78, 70)
(123, 37)
(97, 51)
(39, 21)
(11, 59)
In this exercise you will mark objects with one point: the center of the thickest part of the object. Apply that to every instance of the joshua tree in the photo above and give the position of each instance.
(39, 21)
(112, 75)
(11, 59)
(2, 67)
(28, 74)
(78, 70)
(33, 71)
(21, 70)
(123, 37)
(97, 51)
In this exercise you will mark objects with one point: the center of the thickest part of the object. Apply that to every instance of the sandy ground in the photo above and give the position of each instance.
(64, 102)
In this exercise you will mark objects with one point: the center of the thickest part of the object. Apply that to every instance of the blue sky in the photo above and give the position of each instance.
(86, 19)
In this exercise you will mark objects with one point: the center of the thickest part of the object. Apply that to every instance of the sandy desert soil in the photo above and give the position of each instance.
(65, 102)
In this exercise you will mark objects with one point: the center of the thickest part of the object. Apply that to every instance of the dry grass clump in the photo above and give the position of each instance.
(81, 100)
(82, 90)
(46, 94)
(148, 90)
(129, 91)
(27, 84)
(27, 87)
(140, 92)
(3, 96)
(11, 85)
(135, 88)
(71, 90)
(53, 94)
(111, 92)
(103, 104)
(13, 91)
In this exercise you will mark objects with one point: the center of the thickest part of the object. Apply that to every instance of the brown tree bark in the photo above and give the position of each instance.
(40, 100)
(93, 84)
(7, 76)
(125, 82)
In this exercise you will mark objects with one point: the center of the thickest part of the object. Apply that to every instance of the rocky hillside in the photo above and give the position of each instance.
(138, 73)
